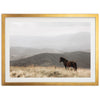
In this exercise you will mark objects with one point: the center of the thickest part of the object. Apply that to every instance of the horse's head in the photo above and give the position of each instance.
(62, 59)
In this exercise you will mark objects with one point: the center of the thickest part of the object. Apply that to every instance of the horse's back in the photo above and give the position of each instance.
(72, 62)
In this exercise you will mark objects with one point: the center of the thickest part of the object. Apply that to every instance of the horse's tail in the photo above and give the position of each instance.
(75, 67)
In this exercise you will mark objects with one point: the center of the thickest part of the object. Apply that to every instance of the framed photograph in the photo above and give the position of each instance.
(50, 49)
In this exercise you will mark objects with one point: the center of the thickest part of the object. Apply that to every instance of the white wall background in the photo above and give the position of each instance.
(49, 92)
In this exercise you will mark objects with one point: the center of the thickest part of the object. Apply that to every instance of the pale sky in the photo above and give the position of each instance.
(49, 34)
(18, 26)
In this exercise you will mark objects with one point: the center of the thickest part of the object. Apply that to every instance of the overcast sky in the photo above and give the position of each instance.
(56, 35)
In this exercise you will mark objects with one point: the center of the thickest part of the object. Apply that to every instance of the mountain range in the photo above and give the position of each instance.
(38, 58)
(17, 53)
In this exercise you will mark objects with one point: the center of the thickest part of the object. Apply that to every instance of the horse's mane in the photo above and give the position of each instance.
(63, 58)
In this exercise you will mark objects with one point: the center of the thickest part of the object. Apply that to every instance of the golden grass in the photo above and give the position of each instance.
(31, 71)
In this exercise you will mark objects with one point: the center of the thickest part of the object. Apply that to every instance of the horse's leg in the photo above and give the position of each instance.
(65, 67)
(75, 67)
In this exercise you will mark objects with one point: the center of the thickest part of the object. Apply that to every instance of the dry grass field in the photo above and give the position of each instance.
(39, 72)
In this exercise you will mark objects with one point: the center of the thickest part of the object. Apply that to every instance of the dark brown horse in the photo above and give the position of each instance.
(68, 63)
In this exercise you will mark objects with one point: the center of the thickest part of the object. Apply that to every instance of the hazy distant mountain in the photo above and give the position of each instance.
(68, 42)
(17, 53)
(52, 59)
